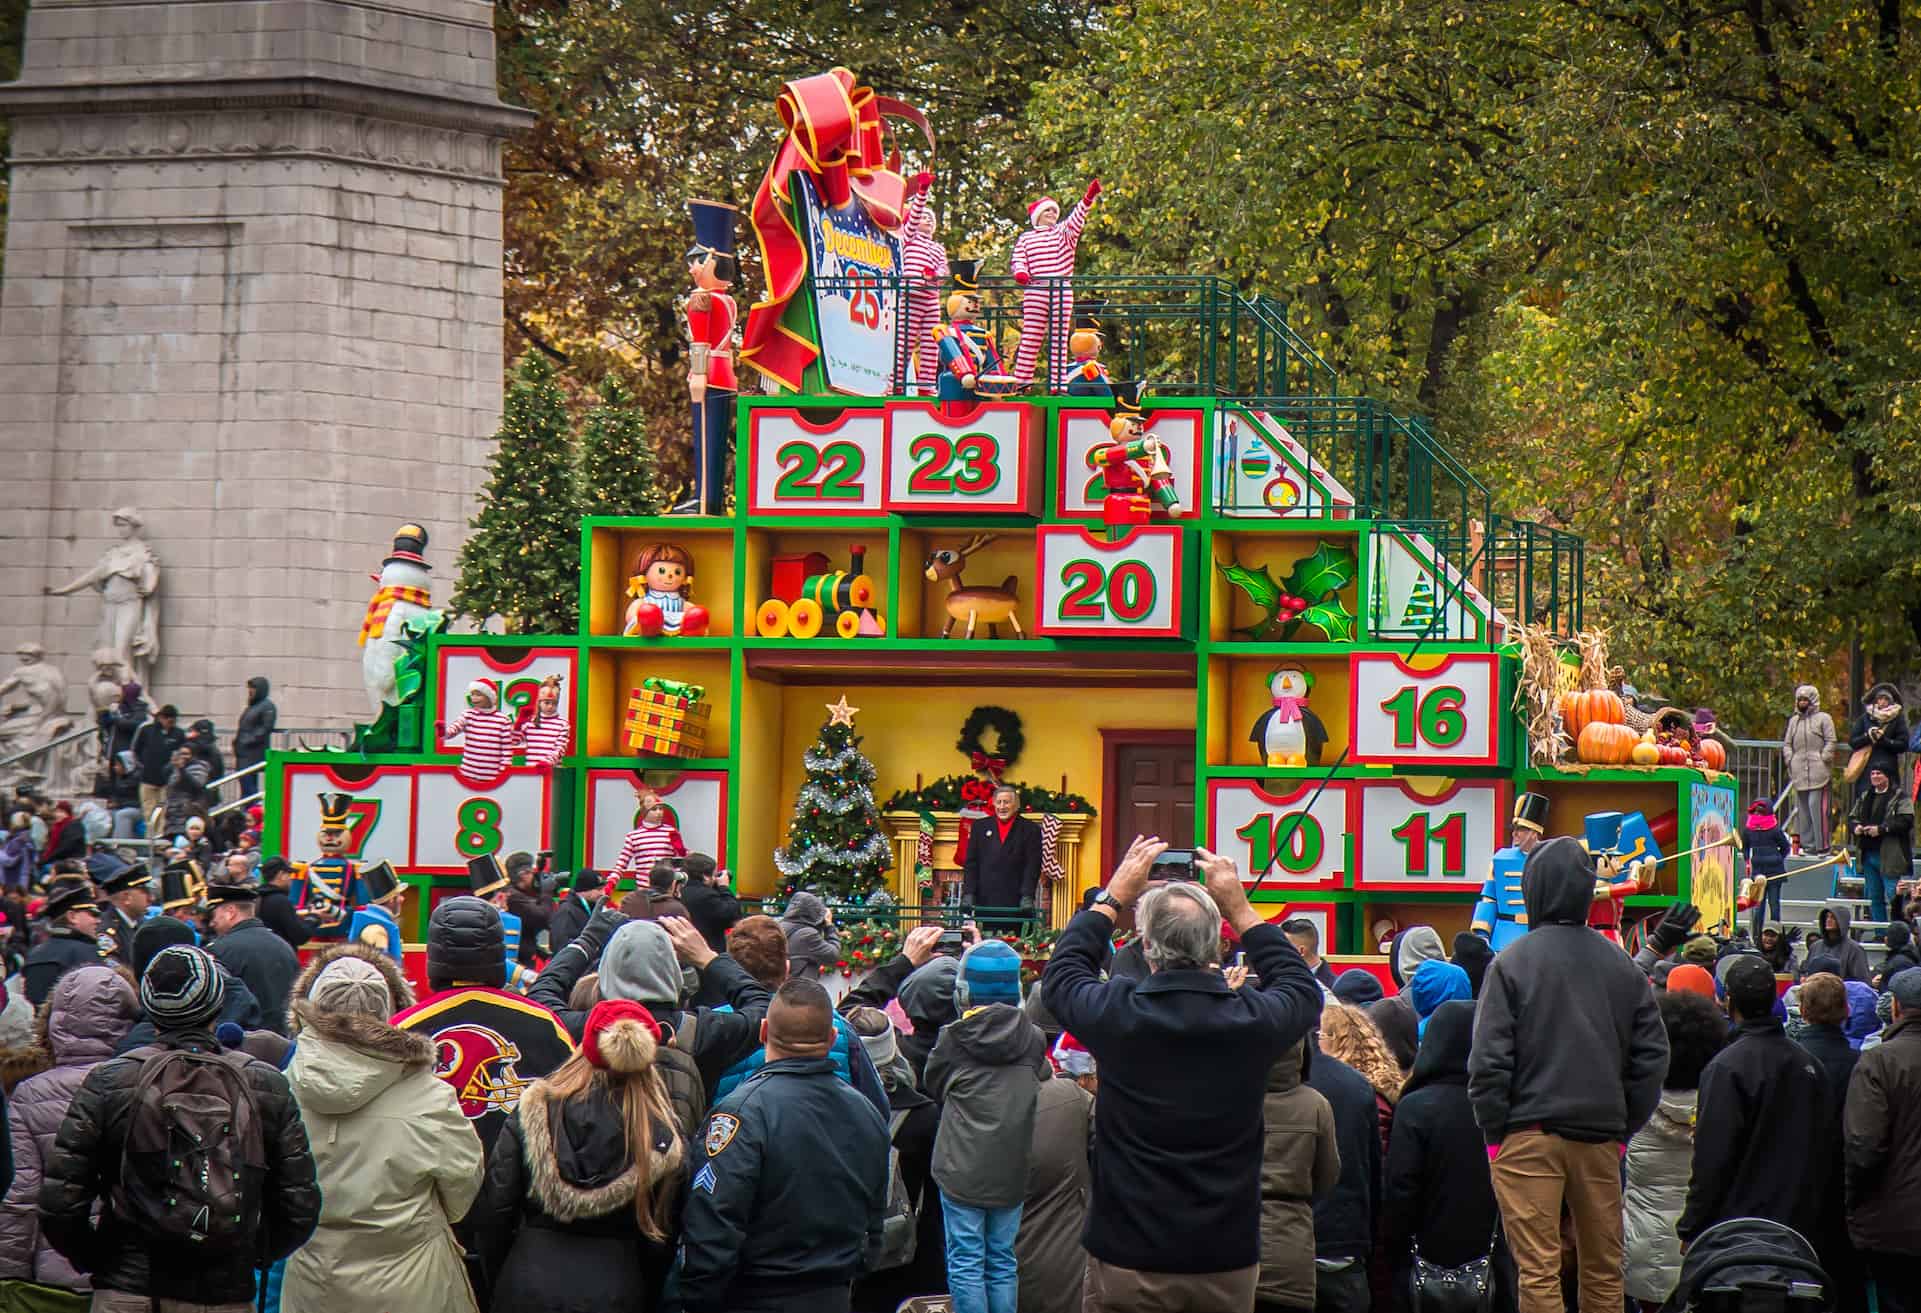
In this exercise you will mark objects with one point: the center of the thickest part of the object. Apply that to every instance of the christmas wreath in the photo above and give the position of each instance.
(1008, 740)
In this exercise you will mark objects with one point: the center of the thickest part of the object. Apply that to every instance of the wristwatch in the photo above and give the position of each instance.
(1106, 899)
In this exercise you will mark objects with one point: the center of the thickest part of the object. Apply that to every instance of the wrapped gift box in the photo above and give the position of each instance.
(667, 718)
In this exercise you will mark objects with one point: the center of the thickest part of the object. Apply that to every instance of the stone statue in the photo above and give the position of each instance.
(128, 577)
(33, 712)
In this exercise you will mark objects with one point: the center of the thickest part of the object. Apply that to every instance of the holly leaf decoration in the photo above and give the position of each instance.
(1320, 576)
(1259, 585)
(1331, 618)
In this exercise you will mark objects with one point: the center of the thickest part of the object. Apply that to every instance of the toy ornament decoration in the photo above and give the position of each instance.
(1500, 917)
(1088, 377)
(977, 606)
(1045, 252)
(1289, 733)
(404, 591)
(329, 885)
(661, 585)
(965, 349)
(1133, 468)
(711, 316)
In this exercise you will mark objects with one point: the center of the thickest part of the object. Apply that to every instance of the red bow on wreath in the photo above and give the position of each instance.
(976, 791)
(989, 766)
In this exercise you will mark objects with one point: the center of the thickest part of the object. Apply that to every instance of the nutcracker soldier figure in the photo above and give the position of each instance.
(711, 316)
(964, 347)
(1044, 265)
(329, 885)
(1501, 915)
(923, 263)
(1133, 469)
(1088, 377)
(376, 922)
(1625, 857)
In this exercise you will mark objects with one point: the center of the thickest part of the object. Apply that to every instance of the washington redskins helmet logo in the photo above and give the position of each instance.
(482, 1066)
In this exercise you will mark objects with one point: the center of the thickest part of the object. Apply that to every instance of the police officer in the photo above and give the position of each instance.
(789, 1177)
(129, 892)
(75, 916)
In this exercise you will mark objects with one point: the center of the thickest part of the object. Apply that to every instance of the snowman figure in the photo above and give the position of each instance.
(1289, 733)
(405, 590)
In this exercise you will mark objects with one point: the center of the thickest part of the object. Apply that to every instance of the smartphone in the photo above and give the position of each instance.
(952, 943)
(1174, 864)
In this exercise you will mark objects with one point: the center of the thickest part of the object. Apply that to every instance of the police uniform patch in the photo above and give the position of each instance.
(107, 944)
(721, 1129)
(705, 1178)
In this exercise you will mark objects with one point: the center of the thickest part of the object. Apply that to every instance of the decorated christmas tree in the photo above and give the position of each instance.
(1419, 613)
(617, 466)
(523, 561)
(835, 846)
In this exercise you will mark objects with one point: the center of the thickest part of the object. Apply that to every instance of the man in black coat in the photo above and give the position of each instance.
(1766, 1139)
(570, 915)
(1183, 1058)
(251, 951)
(711, 904)
(534, 908)
(254, 734)
(153, 746)
(1003, 866)
(275, 908)
(182, 991)
(72, 942)
(1344, 1220)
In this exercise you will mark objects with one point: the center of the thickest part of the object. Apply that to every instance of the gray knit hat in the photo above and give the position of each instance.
(348, 984)
(182, 989)
(639, 965)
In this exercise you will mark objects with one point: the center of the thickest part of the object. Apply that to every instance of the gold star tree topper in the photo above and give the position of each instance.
(840, 713)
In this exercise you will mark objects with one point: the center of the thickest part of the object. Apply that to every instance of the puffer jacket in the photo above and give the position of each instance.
(88, 1012)
(398, 1163)
(1807, 744)
(556, 1227)
(812, 944)
(1300, 1163)
(1659, 1162)
(88, 1150)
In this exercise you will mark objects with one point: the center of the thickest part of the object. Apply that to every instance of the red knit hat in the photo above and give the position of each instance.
(608, 1014)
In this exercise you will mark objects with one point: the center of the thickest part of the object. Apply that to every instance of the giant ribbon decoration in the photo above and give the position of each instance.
(834, 137)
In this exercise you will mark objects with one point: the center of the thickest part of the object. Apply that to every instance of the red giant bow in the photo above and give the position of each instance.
(986, 765)
(833, 126)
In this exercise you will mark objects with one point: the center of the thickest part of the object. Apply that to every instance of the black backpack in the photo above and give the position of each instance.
(195, 1156)
(1751, 1265)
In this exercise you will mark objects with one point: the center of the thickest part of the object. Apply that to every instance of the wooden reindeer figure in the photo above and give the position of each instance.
(987, 606)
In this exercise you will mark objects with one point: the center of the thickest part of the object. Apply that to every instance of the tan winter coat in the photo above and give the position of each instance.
(398, 1163)
(1299, 1164)
(1807, 746)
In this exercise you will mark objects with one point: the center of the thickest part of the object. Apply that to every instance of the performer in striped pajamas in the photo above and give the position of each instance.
(541, 731)
(655, 841)
(488, 732)
(1044, 265)
(923, 263)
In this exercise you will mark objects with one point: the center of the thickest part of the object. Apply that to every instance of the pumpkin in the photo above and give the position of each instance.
(1714, 754)
(1645, 753)
(1673, 754)
(1590, 706)
(1605, 744)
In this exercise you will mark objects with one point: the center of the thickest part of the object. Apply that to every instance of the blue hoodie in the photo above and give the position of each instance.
(1435, 983)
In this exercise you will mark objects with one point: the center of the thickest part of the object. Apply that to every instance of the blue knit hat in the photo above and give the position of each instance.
(1435, 983)
(990, 972)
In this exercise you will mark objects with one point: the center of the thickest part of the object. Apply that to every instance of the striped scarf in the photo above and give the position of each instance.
(383, 602)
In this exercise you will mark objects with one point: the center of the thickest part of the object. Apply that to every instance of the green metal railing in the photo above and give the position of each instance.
(906, 916)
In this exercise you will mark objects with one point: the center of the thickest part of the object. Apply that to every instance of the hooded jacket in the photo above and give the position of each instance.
(397, 1162)
(1568, 1036)
(1660, 1161)
(1344, 1217)
(1763, 1136)
(1435, 983)
(1437, 1190)
(253, 735)
(88, 1013)
(1409, 948)
(985, 1072)
(1882, 1147)
(1884, 738)
(1853, 958)
(556, 1225)
(1300, 1165)
(927, 997)
(1048, 1250)
(1765, 844)
(1807, 745)
(812, 944)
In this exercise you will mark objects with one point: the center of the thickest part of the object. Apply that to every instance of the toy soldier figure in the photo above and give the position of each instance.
(1133, 468)
(326, 887)
(375, 922)
(1501, 916)
(711, 316)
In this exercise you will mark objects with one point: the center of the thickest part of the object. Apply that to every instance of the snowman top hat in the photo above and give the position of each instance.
(410, 540)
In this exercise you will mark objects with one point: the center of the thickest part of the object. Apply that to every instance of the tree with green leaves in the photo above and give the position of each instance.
(617, 466)
(522, 560)
(835, 844)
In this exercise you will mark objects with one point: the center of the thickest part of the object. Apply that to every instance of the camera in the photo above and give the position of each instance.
(546, 882)
(952, 943)
(1174, 864)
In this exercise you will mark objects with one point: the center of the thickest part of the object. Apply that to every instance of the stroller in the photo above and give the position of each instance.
(1751, 1265)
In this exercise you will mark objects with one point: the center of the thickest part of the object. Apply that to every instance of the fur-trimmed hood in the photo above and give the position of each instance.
(587, 1134)
(401, 992)
(342, 1060)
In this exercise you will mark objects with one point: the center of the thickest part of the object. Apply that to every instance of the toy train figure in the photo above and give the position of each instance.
(809, 593)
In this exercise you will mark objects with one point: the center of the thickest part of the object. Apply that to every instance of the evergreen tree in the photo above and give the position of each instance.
(522, 561)
(1419, 613)
(834, 843)
(617, 465)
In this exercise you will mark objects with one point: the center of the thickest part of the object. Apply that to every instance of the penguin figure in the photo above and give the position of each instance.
(1289, 733)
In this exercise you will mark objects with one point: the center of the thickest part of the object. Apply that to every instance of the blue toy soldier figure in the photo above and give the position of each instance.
(375, 923)
(1501, 915)
(965, 347)
(326, 887)
(490, 883)
(711, 316)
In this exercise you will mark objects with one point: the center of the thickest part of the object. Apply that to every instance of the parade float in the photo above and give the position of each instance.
(1173, 581)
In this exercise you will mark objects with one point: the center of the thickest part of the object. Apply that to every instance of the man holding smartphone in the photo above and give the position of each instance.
(1184, 1060)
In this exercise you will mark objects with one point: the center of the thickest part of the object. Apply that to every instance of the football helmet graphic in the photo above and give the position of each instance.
(482, 1066)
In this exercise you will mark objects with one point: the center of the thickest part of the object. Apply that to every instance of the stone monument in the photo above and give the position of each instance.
(252, 285)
